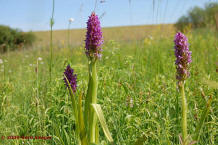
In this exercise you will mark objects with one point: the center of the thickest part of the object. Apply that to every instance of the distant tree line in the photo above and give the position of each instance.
(12, 39)
(200, 17)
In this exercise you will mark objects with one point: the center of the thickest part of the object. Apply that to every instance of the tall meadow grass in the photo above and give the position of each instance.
(142, 71)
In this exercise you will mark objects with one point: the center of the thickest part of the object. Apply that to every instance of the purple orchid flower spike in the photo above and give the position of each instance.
(94, 38)
(183, 56)
(71, 78)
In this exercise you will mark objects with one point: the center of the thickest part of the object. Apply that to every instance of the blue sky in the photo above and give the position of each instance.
(35, 14)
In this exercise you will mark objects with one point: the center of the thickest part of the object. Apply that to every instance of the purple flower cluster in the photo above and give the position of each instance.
(71, 78)
(183, 56)
(94, 38)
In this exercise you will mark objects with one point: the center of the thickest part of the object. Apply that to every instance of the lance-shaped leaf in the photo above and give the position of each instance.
(101, 118)
(83, 136)
(75, 110)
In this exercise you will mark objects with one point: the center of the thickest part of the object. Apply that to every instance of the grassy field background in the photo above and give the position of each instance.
(125, 33)
(137, 87)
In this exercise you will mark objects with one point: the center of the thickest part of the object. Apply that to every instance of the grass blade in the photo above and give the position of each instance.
(203, 116)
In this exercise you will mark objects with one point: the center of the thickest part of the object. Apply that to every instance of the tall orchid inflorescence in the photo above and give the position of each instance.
(93, 49)
(94, 38)
(87, 129)
(183, 57)
(183, 60)
(94, 41)
(70, 78)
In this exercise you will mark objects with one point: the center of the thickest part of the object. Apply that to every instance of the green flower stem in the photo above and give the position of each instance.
(184, 113)
(68, 36)
(87, 99)
(51, 41)
(96, 134)
(75, 111)
(37, 77)
(93, 100)
(177, 114)
(51, 53)
(4, 70)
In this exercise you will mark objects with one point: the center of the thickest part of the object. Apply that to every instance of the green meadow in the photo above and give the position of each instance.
(137, 87)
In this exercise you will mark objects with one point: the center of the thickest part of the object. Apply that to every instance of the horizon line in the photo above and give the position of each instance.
(103, 27)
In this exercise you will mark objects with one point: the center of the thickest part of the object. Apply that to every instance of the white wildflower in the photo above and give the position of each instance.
(131, 103)
(1, 61)
(39, 58)
(71, 20)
